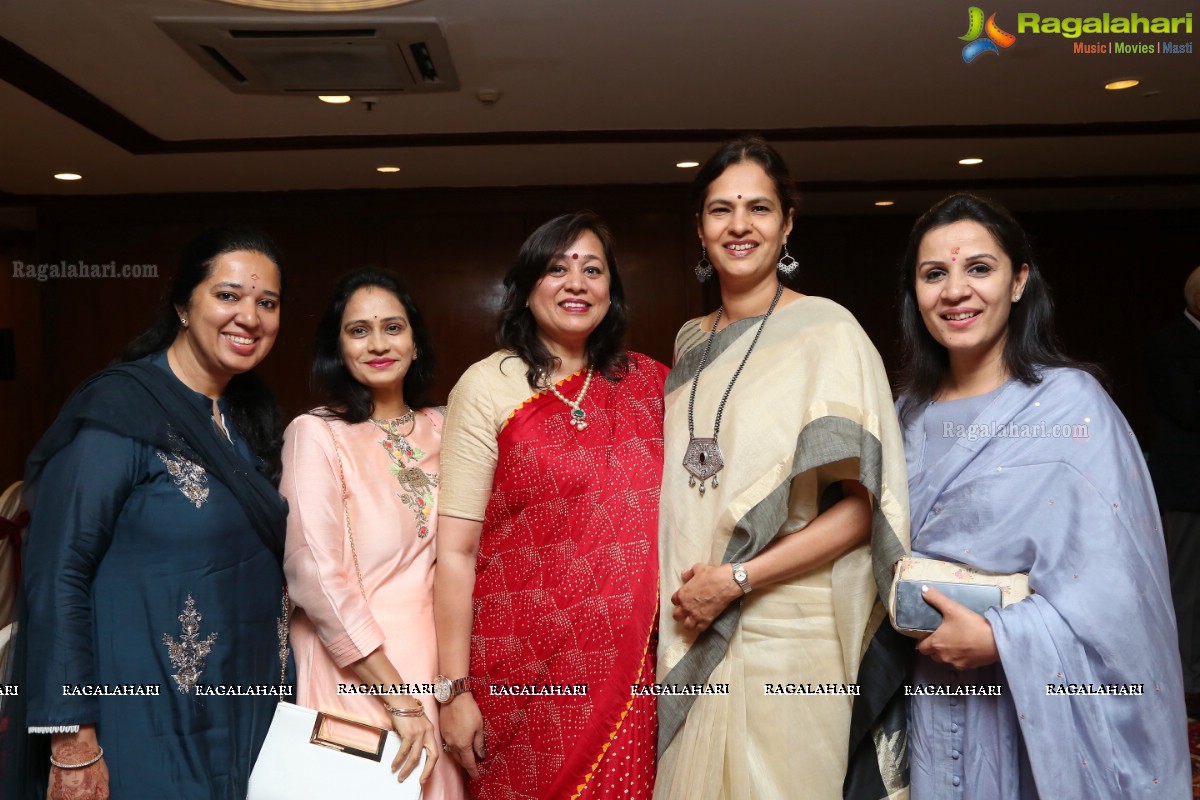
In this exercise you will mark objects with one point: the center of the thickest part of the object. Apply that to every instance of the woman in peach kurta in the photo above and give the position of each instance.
(364, 614)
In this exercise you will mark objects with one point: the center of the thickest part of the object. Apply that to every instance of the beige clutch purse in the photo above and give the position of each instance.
(1013, 588)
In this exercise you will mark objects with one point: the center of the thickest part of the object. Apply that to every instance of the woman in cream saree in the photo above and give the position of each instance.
(771, 576)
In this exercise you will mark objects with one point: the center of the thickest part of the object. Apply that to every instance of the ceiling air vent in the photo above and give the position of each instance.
(321, 56)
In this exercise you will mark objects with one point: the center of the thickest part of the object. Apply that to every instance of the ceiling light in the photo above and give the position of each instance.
(387, 169)
(335, 99)
(687, 164)
(967, 162)
(68, 176)
(1118, 85)
(882, 203)
(317, 5)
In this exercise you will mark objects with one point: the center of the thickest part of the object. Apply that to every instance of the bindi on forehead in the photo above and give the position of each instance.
(954, 253)
(739, 197)
(575, 256)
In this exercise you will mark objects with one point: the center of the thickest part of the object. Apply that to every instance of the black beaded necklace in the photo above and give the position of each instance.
(703, 459)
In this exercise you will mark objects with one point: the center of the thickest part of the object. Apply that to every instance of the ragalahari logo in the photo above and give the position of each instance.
(995, 40)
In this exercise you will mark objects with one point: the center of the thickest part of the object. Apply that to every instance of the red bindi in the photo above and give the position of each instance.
(575, 256)
(739, 197)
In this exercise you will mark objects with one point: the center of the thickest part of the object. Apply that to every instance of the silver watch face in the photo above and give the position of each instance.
(739, 574)
(442, 689)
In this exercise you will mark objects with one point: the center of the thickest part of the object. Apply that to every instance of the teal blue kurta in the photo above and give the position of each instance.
(141, 564)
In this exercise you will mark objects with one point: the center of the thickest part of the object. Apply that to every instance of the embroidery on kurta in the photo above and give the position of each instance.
(189, 476)
(190, 652)
(416, 484)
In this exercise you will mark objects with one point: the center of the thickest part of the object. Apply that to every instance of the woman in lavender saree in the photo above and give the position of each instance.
(1019, 462)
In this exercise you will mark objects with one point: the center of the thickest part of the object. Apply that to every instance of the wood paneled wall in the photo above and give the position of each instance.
(1116, 276)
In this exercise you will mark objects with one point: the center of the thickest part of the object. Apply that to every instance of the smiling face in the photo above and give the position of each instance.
(232, 316)
(742, 224)
(965, 285)
(572, 298)
(377, 341)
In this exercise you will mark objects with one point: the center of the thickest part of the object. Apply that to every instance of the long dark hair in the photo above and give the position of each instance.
(251, 402)
(346, 398)
(1030, 343)
(518, 330)
(750, 147)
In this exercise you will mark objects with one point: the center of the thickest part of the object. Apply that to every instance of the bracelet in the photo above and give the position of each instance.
(88, 763)
(419, 711)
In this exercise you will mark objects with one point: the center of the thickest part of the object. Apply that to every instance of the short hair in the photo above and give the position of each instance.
(748, 148)
(346, 398)
(518, 330)
(1030, 344)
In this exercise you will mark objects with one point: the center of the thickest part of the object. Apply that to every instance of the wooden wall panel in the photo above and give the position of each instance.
(1117, 276)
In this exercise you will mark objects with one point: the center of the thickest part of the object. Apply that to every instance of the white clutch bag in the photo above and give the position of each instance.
(311, 754)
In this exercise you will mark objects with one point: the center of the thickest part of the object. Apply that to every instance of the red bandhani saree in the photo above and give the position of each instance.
(566, 595)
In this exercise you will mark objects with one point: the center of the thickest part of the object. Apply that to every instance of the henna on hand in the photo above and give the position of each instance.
(87, 783)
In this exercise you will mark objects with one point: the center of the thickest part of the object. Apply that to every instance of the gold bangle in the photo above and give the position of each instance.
(419, 711)
(87, 763)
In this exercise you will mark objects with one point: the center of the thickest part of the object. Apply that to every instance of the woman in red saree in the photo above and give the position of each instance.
(551, 464)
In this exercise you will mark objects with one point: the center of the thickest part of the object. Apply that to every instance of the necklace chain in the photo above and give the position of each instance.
(704, 459)
(578, 417)
(391, 427)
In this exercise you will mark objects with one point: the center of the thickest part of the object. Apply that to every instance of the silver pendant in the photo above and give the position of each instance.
(703, 460)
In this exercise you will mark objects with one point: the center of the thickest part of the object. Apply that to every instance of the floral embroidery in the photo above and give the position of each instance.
(189, 476)
(416, 484)
(190, 652)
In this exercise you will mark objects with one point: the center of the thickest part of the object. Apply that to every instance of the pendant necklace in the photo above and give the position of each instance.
(416, 484)
(391, 429)
(392, 426)
(703, 459)
(578, 416)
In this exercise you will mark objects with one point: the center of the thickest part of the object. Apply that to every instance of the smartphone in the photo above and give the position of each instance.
(914, 614)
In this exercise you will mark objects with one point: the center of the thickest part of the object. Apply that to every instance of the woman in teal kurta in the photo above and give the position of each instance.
(153, 581)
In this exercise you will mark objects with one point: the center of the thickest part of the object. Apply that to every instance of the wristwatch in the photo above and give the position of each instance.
(740, 577)
(445, 690)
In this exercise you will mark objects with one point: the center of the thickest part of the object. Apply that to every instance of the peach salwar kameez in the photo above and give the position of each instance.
(391, 486)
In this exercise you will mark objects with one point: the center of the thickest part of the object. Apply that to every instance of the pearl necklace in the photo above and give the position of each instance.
(578, 415)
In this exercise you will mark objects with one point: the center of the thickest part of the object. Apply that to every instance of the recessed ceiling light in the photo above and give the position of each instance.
(387, 169)
(687, 164)
(68, 176)
(1118, 85)
(967, 162)
(318, 5)
(335, 99)
(885, 202)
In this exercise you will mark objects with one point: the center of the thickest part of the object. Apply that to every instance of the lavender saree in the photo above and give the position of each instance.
(1049, 480)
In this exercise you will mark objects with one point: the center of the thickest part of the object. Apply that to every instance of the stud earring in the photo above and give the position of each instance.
(183, 321)
(787, 263)
(704, 268)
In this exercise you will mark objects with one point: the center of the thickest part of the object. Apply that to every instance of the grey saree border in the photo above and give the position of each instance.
(825, 440)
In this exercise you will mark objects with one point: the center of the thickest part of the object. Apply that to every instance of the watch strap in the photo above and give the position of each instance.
(743, 582)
